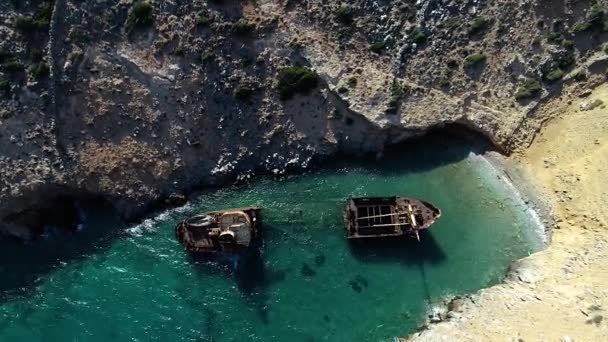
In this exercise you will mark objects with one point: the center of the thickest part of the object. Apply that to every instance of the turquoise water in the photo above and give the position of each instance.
(118, 283)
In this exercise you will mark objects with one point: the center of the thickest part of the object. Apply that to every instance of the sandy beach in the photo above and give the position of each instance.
(560, 293)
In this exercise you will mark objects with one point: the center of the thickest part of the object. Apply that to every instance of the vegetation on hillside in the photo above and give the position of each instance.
(475, 59)
(30, 24)
(554, 75)
(141, 14)
(419, 37)
(377, 47)
(528, 89)
(39, 70)
(478, 24)
(202, 20)
(242, 27)
(294, 80)
(345, 15)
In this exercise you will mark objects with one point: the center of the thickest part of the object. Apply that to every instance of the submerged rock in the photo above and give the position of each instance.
(307, 271)
(320, 260)
(525, 270)
(355, 286)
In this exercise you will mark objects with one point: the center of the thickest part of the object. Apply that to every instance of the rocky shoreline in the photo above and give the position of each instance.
(521, 270)
(556, 293)
(523, 183)
(156, 99)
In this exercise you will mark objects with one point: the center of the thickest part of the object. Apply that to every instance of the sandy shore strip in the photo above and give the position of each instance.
(560, 293)
(519, 180)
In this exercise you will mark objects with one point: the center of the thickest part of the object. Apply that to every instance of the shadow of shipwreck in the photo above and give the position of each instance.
(406, 251)
(251, 274)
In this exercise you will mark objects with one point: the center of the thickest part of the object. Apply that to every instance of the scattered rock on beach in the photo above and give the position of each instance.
(590, 105)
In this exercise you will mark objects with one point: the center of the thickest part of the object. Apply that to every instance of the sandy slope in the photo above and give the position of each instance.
(560, 293)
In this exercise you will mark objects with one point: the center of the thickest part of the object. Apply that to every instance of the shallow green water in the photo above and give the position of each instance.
(309, 284)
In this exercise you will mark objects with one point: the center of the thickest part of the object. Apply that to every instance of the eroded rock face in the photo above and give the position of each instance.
(139, 114)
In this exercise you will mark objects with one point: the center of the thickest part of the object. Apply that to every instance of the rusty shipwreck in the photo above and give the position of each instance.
(375, 217)
(231, 230)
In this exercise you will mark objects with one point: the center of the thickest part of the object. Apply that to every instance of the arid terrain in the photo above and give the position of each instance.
(139, 103)
(560, 293)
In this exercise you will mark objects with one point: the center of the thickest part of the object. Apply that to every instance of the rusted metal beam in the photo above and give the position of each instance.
(383, 215)
(384, 225)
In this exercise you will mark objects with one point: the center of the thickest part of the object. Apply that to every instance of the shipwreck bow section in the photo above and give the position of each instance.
(232, 230)
(375, 217)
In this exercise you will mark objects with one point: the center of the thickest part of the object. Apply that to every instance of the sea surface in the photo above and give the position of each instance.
(114, 282)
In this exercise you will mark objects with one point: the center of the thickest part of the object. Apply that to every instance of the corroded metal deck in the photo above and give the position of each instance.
(227, 230)
(369, 217)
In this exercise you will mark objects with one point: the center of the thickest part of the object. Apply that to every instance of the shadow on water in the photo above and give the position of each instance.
(22, 265)
(210, 326)
(438, 147)
(250, 277)
(406, 250)
(250, 272)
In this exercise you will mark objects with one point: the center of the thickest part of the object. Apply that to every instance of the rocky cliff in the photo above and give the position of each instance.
(138, 103)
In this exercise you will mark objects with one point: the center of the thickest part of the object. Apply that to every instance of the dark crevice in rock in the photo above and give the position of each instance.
(27, 261)
(51, 207)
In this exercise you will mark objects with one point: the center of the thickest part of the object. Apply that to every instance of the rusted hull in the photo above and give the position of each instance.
(208, 239)
(382, 217)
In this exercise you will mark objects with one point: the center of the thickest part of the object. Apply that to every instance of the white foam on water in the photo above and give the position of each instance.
(539, 228)
(490, 173)
(150, 225)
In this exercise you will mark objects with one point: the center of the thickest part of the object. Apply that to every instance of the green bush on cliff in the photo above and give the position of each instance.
(12, 66)
(5, 86)
(528, 89)
(419, 37)
(207, 57)
(345, 15)
(581, 26)
(39, 70)
(243, 92)
(594, 20)
(444, 83)
(45, 12)
(554, 75)
(9, 62)
(555, 38)
(475, 59)
(595, 17)
(141, 14)
(242, 27)
(568, 44)
(201, 20)
(296, 80)
(396, 94)
(478, 24)
(377, 47)
(38, 22)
